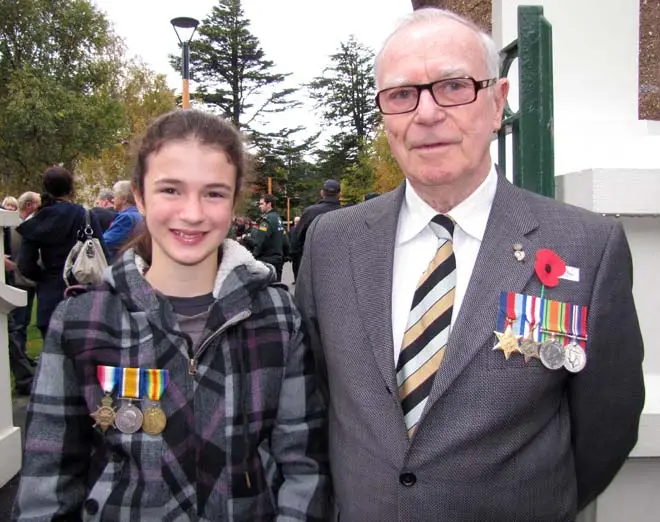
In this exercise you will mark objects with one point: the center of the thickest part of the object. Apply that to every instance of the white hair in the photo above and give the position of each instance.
(122, 189)
(433, 14)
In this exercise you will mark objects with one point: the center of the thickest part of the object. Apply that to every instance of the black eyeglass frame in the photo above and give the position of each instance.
(478, 86)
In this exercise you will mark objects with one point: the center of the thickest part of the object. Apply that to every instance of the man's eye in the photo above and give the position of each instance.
(401, 94)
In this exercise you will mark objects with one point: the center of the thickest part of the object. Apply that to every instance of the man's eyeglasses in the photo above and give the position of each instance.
(449, 92)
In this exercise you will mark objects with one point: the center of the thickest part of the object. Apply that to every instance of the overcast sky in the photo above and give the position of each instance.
(298, 35)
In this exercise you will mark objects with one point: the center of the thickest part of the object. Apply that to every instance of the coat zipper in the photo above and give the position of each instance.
(192, 362)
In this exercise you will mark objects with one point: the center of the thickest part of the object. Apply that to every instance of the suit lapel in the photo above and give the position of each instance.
(372, 259)
(496, 269)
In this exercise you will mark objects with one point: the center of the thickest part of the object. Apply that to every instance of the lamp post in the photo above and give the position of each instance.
(187, 26)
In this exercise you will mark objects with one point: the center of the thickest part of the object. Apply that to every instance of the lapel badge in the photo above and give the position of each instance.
(518, 252)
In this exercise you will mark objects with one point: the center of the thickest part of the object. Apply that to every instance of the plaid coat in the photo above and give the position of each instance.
(246, 435)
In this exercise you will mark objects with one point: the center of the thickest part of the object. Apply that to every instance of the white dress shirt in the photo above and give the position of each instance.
(416, 245)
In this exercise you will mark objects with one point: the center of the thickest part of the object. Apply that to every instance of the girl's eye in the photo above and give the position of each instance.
(215, 194)
(168, 190)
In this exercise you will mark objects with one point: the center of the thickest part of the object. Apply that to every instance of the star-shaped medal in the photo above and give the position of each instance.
(529, 347)
(507, 341)
(104, 416)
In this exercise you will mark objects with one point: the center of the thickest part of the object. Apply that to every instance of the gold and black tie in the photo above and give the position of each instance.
(427, 330)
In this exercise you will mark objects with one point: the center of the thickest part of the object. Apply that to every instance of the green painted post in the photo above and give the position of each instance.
(532, 125)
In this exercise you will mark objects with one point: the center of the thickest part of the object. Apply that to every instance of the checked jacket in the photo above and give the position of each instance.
(245, 438)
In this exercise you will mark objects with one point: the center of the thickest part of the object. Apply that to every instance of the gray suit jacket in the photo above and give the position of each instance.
(499, 441)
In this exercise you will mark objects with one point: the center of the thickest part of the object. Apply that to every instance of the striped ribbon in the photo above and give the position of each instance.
(108, 377)
(155, 382)
(567, 321)
(130, 383)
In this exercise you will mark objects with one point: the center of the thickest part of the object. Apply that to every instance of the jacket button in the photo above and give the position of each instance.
(407, 479)
(91, 506)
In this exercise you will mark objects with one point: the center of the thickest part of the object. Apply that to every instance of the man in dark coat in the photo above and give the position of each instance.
(329, 201)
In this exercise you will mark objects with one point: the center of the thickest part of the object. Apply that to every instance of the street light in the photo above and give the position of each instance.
(187, 26)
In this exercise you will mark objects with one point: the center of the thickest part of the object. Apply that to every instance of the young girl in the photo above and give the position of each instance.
(181, 389)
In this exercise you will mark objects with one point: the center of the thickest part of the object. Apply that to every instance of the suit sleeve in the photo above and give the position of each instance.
(305, 301)
(58, 439)
(607, 397)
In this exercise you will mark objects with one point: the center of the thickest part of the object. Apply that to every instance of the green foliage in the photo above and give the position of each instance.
(59, 64)
(345, 92)
(344, 96)
(231, 68)
(143, 96)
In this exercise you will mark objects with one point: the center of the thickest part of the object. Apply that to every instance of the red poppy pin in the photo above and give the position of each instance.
(549, 267)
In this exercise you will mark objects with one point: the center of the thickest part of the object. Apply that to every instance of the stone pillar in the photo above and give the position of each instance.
(10, 436)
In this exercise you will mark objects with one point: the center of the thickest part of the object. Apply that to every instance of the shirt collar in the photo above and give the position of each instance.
(470, 215)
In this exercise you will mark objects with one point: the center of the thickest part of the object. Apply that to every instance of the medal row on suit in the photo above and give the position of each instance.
(538, 328)
(133, 384)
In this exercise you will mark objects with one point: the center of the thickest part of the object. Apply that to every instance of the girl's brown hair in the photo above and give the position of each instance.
(183, 125)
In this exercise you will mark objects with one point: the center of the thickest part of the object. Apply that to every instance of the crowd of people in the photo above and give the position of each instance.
(438, 362)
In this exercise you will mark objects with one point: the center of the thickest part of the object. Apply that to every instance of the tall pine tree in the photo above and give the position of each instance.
(227, 61)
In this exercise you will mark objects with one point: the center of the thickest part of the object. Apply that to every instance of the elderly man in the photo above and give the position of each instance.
(19, 318)
(104, 208)
(125, 220)
(433, 416)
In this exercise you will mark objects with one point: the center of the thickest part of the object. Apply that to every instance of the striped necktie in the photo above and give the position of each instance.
(427, 331)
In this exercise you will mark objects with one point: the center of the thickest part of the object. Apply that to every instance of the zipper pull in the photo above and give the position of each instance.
(192, 366)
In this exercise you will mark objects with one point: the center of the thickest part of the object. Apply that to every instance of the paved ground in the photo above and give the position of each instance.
(8, 491)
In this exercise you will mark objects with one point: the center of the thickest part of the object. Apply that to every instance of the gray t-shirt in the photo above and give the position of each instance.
(192, 313)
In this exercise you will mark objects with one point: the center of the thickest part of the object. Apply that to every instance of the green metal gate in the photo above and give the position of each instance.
(531, 126)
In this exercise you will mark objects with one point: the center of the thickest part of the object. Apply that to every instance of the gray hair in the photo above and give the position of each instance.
(106, 194)
(26, 198)
(122, 189)
(433, 14)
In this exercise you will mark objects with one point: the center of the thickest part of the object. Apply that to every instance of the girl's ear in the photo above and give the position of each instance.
(139, 202)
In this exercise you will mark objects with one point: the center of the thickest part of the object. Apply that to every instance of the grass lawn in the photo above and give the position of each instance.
(34, 342)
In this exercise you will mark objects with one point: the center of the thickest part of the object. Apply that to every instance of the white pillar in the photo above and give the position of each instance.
(10, 436)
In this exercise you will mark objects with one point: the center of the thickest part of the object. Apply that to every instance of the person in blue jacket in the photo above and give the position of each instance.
(124, 225)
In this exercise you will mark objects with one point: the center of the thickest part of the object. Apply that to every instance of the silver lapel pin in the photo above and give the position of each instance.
(518, 252)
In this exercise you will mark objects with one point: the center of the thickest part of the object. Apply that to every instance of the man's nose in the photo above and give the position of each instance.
(427, 110)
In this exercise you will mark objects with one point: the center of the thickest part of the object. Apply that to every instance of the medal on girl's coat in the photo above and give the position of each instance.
(104, 416)
(128, 418)
(155, 382)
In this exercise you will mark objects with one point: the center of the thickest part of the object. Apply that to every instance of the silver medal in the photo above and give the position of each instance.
(128, 418)
(552, 354)
(576, 357)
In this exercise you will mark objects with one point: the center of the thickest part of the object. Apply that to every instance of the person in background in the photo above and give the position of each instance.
(28, 203)
(126, 220)
(10, 203)
(238, 431)
(329, 201)
(19, 364)
(481, 343)
(104, 208)
(47, 239)
(267, 239)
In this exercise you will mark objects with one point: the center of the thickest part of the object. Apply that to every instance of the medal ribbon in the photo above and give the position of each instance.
(130, 383)
(568, 322)
(155, 383)
(108, 377)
